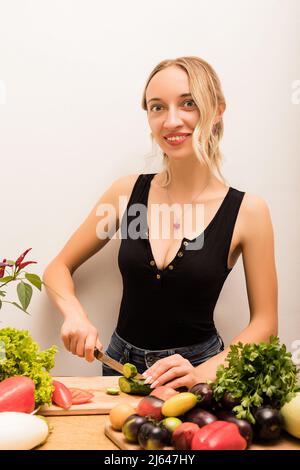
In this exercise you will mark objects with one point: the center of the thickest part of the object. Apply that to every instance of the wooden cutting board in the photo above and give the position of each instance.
(286, 442)
(102, 403)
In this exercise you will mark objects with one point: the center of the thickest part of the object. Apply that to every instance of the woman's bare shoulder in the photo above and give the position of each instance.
(252, 204)
(254, 215)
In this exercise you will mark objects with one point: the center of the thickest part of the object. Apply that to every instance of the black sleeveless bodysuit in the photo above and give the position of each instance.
(172, 307)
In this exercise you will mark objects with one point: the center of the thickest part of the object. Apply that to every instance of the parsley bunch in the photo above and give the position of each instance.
(257, 374)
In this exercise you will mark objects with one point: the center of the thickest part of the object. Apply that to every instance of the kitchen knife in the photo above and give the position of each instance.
(108, 361)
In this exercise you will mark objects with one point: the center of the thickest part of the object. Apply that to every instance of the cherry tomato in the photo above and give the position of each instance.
(80, 396)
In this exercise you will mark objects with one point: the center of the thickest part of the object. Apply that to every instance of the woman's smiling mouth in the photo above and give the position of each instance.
(176, 139)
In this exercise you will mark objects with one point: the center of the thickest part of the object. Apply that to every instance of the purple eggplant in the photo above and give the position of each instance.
(228, 401)
(204, 393)
(268, 423)
(200, 417)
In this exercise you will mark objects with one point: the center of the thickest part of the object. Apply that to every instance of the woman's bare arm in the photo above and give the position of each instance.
(79, 335)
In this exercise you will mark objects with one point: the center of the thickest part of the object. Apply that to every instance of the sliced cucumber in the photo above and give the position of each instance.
(129, 370)
(134, 386)
(113, 391)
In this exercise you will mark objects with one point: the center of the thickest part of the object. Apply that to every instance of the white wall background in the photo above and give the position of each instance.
(72, 75)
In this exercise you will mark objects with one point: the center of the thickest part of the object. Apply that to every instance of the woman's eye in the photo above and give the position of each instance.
(187, 101)
(190, 101)
(155, 106)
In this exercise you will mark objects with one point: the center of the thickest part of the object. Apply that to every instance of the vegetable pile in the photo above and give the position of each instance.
(257, 374)
(253, 398)
(20, 355)
(167, 417)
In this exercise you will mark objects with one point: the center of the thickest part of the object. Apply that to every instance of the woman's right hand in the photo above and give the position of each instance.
(80, 337)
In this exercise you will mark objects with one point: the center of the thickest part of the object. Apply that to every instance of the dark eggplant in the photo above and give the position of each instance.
(215, 405)
(228, 401)
(204, 393)
(244, 426)
(268, 423)
(199, 416)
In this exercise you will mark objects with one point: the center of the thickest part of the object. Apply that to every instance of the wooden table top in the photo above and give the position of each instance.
(78, 433)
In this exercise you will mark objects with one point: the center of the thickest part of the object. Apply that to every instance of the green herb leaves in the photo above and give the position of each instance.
(258, 374)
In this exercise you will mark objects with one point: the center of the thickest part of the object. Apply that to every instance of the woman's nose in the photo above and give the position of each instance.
(173, 119)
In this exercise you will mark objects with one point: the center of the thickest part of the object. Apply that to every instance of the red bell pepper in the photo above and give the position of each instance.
(218, 435)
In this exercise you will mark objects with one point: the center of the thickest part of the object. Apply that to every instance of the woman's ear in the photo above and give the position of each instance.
(220, 112)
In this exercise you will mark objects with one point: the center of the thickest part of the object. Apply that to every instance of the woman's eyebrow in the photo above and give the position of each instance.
(160, 99)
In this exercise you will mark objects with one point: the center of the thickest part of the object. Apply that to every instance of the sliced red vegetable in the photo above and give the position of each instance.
(61, 396)
(80, 396)
(218, 435)
(17, 394)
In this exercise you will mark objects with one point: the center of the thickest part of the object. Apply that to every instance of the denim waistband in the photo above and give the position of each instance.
(198, 346)
(195, 353)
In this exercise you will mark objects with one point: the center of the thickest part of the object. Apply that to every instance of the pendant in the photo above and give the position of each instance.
(176, 225)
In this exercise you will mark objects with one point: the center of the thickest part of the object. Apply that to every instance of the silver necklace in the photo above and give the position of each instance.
(177, 223)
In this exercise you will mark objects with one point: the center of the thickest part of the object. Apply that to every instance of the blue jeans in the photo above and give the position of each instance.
(123, 352)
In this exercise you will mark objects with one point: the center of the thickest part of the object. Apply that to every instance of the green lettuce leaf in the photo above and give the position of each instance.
(21, 355)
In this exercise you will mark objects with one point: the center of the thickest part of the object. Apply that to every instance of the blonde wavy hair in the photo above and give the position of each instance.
(206, 90)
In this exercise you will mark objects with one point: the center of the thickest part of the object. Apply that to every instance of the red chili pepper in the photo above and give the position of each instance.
(219, 435)
(22, 256)
(3, 266)
(22, 265)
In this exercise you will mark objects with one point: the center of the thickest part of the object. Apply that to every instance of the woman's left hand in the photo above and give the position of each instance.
(174, 371)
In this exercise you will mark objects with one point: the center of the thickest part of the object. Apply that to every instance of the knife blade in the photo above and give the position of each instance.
(112, 363)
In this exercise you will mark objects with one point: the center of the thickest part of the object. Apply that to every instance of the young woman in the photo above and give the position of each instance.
(171, 283)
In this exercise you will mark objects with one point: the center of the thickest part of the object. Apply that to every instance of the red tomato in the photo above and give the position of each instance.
(17, 394)
(80, 396)
(61, 396)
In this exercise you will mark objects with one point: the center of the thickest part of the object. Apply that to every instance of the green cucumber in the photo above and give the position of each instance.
(112, 391)
(129, 370)
(134, 386)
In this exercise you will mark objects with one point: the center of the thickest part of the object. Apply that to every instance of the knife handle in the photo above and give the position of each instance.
(97, 353)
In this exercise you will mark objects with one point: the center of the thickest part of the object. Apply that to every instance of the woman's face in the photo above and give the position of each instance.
(171, 113)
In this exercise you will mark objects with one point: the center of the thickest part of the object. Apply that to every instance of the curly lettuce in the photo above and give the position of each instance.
(21, 355)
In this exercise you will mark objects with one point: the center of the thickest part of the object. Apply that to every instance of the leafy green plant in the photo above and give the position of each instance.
(21, 355)
(24, 289)
(257, 374)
